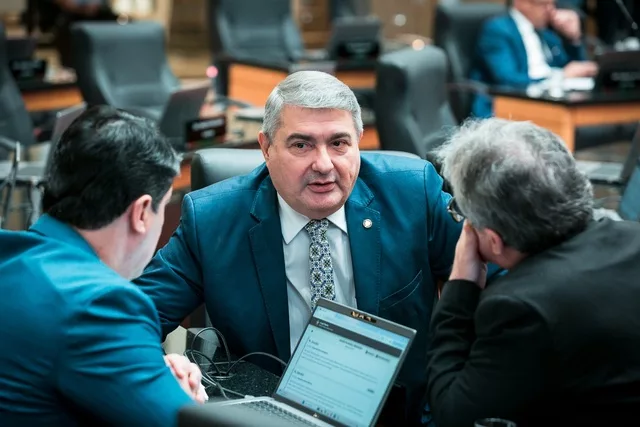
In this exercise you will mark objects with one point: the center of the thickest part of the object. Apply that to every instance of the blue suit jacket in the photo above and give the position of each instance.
(79, 343)
(501, 58)
(227, 252)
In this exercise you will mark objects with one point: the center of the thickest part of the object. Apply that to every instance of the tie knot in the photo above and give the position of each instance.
(317, 227)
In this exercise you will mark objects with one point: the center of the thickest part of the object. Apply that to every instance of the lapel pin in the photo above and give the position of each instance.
(367, 223)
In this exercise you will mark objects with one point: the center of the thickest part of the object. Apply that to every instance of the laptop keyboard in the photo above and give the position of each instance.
(271, 409)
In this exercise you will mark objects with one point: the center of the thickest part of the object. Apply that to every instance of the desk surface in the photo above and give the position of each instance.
(569, 99)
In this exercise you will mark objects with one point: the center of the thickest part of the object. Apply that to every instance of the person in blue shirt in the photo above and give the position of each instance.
(81, 343)
(318, 219)
(532, 42)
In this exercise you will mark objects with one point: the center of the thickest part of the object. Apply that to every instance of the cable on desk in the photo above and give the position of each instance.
(256, 353)
(191, 353)
(220, 338)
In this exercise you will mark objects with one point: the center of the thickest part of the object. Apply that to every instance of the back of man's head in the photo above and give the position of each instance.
(519, 180)
(103, 162)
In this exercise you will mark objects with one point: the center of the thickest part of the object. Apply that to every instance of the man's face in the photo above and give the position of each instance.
(539, 12)
(313, 159)
(146, 243)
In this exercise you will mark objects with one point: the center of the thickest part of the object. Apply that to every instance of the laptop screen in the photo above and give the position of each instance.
(629, 208)
(343, 367)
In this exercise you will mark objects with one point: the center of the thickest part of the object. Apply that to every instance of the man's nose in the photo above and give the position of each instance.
(322, 162)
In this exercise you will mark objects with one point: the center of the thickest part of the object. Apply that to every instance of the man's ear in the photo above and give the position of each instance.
(140, 214)
(263, 140)
(495, 242)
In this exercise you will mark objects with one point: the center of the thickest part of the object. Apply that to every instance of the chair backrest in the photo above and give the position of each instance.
(123, 65)
(213, 165)
(457, 26)
(8, 174)
(342, 8)
(15, 122)
(412, 106)
(252, 28)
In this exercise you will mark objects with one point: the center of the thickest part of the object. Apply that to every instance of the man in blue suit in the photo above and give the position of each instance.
(80, 343)
(526, 46)
(318, 220)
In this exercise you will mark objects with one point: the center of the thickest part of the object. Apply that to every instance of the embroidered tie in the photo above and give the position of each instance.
(320, 264)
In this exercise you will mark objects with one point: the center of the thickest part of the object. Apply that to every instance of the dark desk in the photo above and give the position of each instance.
(39, 95)
(562, 115)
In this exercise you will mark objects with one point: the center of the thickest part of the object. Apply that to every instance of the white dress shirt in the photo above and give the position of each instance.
(296, 242)
(536, 58)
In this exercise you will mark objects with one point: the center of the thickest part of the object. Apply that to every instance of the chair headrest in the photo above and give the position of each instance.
(213, 165)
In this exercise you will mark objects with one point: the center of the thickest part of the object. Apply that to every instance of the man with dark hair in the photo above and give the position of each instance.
(556, 340)
(80, 342)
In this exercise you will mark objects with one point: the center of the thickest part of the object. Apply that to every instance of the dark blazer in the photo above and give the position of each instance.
(80, 345)
(501, 58)
(556, 341)
(227, 253)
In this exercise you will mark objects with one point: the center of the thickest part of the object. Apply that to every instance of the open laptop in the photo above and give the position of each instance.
(612, 172)
(340, 373)
(183, 106)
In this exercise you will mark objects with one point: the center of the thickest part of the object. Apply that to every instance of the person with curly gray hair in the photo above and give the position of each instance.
(555, 340)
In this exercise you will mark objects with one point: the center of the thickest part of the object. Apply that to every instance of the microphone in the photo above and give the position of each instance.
(628, 17)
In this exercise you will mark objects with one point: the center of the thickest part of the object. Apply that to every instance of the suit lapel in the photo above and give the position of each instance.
(268, 256)
(363, 223)
(521, 50)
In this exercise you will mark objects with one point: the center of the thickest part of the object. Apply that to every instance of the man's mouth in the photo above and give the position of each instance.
(321, 186)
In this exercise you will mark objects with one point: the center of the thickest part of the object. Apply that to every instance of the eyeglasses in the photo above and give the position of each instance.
(454, 210)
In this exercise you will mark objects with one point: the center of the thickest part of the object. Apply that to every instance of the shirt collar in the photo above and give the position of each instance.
(292, 222)
(51, 227)
(521, 20)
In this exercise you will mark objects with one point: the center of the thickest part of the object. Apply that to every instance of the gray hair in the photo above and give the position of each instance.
(309, 89)
(518, 180)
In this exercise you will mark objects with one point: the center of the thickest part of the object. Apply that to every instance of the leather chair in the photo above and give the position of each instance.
(254, 29)
(124, 66)
(342, 8)
(412, 106)
(213, 165)
(15, 121)
(457, 26)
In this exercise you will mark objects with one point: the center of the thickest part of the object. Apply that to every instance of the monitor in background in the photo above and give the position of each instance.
(20, 48)
(618, 70)
(183, 106)
(355, 38)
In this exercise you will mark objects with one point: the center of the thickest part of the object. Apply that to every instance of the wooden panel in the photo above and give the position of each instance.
(252, 84)
(53, 99)
(607, 114)
(556, 118)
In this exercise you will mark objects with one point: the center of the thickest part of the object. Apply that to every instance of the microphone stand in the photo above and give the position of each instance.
(629, 18)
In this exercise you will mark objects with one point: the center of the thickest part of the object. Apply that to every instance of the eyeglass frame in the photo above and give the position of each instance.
(454, 210)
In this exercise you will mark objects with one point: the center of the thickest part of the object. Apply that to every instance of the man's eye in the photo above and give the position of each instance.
(339, 142)
(300, 145)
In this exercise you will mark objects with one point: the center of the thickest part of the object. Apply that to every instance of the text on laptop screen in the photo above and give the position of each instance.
(629, 208)
(342, 367)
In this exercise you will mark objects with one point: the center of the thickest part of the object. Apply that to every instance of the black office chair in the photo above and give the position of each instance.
(457, 26)
(8, 177)
(412, 105)
(252, 29)
(342, 8)
(15, 121)
(124, 66)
